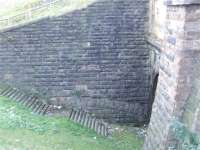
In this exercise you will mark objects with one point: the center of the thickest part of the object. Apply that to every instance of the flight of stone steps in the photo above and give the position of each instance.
(28, 100)
(89, 121)
(33, 102)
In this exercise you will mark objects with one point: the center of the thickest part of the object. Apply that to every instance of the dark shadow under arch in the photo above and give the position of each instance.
(153, 94)
(154, 87)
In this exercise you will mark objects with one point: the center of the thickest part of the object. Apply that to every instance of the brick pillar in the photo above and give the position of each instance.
(178, 73)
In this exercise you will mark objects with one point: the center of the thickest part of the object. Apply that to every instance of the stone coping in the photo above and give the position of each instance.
(181, 2)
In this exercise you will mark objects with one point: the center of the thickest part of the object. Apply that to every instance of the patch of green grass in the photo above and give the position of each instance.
(53, 10)
(11, 8)
(20, 129)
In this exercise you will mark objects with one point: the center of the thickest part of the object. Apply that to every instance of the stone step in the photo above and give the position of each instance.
(96, 125)
(49, 109)
(80, 116)
(104, 132)
(37, 105)
(75, 112)
(45, 110)
(32, 100)
(11, 96)
(23, 99)
(10, 93)
(16, 95)
(86, 120)
(34, 105)
(89, 123)
(71, 113)
(30, 97)
(100, 129)
(5, 90)
(93, 123)
(77, 116)
(41, 109)
(83, 118)
(29, 100)
(19, 97)
(35, 108)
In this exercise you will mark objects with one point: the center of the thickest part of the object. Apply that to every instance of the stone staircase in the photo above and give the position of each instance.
(38, 106)
(28, 100)
(89, 121)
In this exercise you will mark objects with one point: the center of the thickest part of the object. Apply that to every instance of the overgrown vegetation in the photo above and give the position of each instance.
(20, 129)
(187, 140)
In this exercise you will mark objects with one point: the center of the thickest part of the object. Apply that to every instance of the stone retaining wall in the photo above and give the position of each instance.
(95, 59)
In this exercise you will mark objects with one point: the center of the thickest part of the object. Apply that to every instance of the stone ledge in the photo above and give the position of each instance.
(154, 42)
(181, 2)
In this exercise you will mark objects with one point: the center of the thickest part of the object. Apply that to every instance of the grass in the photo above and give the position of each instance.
(13, 7)
(16, 7)
(57, 9)
(20, 129)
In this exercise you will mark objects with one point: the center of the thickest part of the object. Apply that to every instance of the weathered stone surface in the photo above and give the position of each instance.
(182, 2)
(176, 95)
(95, 59)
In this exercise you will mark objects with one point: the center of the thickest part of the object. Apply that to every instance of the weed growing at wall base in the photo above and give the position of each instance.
(187, 140)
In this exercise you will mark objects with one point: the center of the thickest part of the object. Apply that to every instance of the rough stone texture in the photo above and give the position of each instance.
(154, 54)
(182, 2)
(191, 115)
(95, 59)
(178, 85)
(156, 30)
